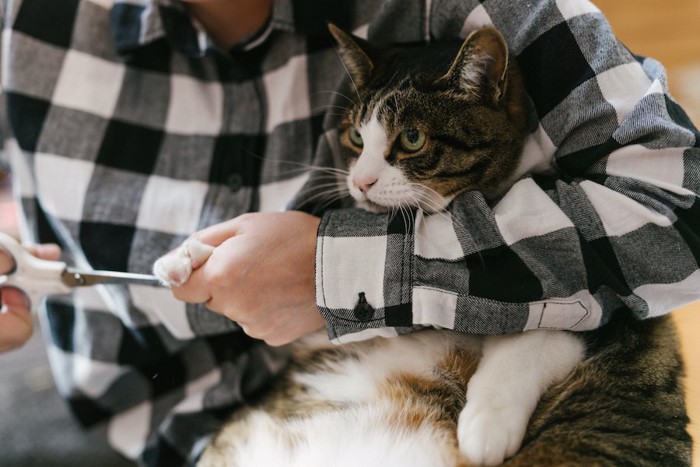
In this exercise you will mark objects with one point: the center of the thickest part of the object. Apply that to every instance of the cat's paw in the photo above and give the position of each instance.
(488, 434)
(176, 267)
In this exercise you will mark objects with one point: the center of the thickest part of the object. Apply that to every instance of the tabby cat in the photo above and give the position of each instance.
(429, 124)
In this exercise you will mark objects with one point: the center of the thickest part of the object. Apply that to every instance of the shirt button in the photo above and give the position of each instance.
(363, 311)
(234, 182)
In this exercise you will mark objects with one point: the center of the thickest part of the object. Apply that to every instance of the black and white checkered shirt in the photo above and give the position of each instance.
(127, 131)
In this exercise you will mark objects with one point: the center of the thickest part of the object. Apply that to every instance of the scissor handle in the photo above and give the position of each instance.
(34, 276)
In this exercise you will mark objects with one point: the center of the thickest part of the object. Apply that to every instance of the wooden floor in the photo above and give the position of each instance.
(669, 31)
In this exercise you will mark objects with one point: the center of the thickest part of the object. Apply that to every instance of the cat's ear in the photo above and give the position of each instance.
(481, 65)
(353, 52)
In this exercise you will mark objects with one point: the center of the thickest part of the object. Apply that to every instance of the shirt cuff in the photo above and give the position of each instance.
(364, 274)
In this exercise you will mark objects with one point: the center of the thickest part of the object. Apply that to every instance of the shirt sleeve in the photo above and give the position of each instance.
(617, 228)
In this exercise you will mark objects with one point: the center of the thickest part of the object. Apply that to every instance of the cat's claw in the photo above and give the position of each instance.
(176, 267)
(489, 434)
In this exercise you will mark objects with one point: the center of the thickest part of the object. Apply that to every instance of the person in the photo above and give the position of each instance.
(133, 125)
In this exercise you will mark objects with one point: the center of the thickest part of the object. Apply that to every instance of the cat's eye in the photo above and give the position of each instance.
(412, 140)
(355, 137)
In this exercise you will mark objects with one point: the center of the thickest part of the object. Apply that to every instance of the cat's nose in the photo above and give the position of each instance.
(364, 183)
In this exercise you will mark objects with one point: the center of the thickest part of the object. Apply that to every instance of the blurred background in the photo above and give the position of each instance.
(35, 427)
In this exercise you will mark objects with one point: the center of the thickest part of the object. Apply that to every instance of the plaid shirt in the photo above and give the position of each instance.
(127, 131)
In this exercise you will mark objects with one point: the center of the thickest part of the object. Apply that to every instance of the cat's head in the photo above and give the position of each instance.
(430, 122)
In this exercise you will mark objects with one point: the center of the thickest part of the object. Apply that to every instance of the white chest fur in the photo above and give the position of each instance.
(354, 429)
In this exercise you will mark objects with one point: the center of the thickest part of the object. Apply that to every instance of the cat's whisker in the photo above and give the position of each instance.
(329, 193)
(326, 203)
(397, 103)
(338, 177)
(403, 215)
(405, 208)
(338, 93)
(392, 214)
(335, 114)
(330, 201)
(347, 72)
(424, 193)
(302, 167)
(315, 169)
(322, 168)
(325, 188)
(420, 199)
(438, 210)
(329, 184)
(411, 219)
(326, 108)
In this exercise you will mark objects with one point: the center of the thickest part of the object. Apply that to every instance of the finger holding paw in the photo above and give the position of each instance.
(175, 268)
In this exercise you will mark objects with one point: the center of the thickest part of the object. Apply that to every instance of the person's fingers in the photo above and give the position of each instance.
(194, 290)
(13, 298)
(47, 251)
(216, 234)
(210, 278)
(6, 263)
(15, 320)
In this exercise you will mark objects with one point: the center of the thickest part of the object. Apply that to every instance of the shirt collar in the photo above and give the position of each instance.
(138, 23)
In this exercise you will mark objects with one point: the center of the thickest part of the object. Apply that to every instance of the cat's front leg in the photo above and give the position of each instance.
(512, 375)
(175, 268)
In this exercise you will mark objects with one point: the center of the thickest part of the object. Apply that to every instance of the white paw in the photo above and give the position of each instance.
(489, 434)
(176, 267)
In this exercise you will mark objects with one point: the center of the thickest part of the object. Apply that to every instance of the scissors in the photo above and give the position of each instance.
(37, 277)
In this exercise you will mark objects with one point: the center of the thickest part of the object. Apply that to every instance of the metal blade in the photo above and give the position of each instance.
(77, 278)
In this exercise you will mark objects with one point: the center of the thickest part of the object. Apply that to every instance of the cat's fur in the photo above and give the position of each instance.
(441, 398)
(622, 405)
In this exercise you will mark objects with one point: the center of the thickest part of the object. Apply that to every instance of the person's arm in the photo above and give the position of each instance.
(616, 228)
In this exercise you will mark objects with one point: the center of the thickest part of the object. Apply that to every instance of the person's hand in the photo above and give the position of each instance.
(261, 275)
(16, 320)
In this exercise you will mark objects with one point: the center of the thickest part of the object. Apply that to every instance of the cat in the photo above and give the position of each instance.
(438, 397)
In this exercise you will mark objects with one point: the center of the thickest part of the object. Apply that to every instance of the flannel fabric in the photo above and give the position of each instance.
(127, 130)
